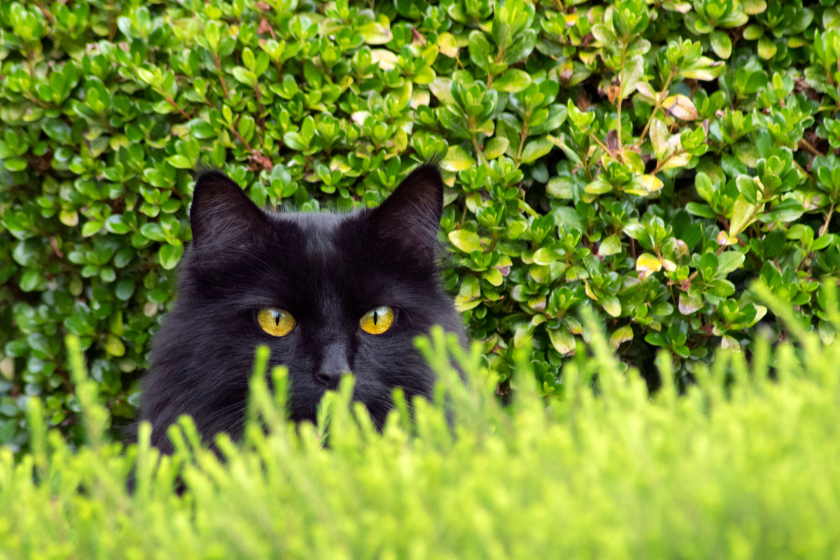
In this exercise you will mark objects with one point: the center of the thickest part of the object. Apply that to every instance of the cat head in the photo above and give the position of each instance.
(328, 293)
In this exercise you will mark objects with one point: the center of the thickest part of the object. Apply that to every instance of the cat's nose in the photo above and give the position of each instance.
(333, 366)
(330, 379)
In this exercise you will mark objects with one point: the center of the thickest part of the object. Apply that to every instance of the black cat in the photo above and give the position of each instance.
(328, 293)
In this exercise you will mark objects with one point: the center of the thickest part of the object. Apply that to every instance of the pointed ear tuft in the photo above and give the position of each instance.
(412, 213)
(222, 215)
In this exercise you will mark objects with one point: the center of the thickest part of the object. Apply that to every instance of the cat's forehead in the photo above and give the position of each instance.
(319, 229)
(324, 221)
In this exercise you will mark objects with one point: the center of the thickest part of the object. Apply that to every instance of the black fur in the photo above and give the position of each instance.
(327, 270)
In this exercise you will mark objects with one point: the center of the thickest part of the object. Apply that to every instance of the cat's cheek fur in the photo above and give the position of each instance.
(382, 363)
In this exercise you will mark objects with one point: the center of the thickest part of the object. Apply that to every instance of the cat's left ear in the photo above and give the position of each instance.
(412, 213)
(222, 215)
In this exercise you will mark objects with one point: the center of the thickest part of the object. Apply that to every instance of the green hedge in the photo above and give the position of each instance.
(650, 159)
(740, 467)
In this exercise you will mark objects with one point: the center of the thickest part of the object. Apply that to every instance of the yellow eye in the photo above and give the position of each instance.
(276, 322)
(378, 320)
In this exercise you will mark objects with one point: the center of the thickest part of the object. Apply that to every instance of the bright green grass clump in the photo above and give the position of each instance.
(745, 465)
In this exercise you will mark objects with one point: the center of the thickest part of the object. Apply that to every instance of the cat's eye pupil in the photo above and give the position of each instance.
(375, 317)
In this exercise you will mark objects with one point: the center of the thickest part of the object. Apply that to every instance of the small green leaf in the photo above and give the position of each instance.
(512, 81)
(729, 261)
(15, 164)
(604, 34)
(766, 48)
(611, 305)
(125, 289)
(481, 52)
(610, 246)
(57, 130)
(634, 71)
(469, 294)
(598, 186)
(743, 214)
(545, 256)
(244, 76)
(698, 209)
(170, 255)
(562, 340)
(91, 228)
(536, 149)
(179, 162)
(202, 130)
(30, 280)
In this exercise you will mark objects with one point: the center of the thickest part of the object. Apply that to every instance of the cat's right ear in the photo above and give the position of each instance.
(222, 215)
(411, 215)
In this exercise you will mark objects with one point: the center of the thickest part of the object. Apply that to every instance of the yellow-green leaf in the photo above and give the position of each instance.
(469, 294)
(457, 159)
(493, 276)
(646, 265)
(376, 33)
(743, 214)
(721, 44)
(115, 346)
(69, 218)
(659, 137)
(766, 48)
(495, 147)
(753, 7)
(386, 59)
(611, 305)
(465, 240)
(677, 161)
(7, 367)
(624, 334)
(651, 183)
(447, 45)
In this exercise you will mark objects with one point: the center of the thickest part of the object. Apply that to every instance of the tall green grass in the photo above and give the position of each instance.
(746, 464)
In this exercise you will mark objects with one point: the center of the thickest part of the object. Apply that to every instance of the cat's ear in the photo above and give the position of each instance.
(222, 215)
(412, 213)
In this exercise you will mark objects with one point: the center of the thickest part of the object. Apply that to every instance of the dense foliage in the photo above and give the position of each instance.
(650, 158)
(740, 467)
